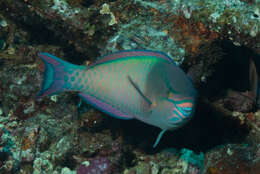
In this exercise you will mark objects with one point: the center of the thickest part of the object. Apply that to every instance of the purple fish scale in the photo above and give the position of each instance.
(96, 82)
(73, 80)
(126, 84)
(142, 78)
(126, 98)
(99, 87)
(120, 88)
(104, 90)
(142, 71)
(86, 81)
(119, 85)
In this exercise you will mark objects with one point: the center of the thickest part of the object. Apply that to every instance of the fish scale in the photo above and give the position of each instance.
(125, 94)
(141, 84)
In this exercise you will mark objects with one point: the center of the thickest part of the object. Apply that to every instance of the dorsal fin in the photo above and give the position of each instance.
(132, 53)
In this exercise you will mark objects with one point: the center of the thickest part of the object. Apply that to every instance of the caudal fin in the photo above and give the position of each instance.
(56, 75)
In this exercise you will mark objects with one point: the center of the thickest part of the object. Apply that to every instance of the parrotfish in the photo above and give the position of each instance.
(134, 84)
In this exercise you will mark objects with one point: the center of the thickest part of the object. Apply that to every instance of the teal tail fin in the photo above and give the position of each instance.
(56, 75)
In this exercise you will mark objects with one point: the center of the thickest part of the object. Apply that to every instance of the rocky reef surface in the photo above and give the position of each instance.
(216, 42)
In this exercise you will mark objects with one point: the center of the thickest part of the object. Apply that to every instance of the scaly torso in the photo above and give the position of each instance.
(109, 83)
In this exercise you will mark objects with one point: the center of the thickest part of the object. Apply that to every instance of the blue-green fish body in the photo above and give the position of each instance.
(141, 84)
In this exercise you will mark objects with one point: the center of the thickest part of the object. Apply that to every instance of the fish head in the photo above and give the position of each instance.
(171, 114)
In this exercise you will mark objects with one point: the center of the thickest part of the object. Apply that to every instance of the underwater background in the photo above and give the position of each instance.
(217, 43)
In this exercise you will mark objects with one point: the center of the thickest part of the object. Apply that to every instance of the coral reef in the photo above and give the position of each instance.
(169, 161)
(232, 159)
(95, 166)
(215, 42)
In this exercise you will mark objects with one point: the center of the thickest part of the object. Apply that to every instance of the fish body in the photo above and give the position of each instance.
(141, 84)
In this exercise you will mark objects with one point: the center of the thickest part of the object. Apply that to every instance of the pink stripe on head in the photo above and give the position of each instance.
(175, 117)
(179, 113)
(177, 97)
(185, 105)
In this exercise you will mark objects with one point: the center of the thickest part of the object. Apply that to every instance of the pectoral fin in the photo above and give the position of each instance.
(140, 92)
(159, 137)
